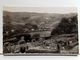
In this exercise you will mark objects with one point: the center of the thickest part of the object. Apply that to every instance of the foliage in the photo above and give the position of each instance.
(66, 26)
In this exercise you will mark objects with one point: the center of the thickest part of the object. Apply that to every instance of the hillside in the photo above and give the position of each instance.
(49, 20)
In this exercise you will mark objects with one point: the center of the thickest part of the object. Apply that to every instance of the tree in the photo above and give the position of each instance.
(36, 36)
(66, 26)
(30, 26)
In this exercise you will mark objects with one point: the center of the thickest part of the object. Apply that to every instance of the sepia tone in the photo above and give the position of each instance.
(40, 30)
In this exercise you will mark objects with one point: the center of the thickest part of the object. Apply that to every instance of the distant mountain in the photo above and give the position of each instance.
(49, 20)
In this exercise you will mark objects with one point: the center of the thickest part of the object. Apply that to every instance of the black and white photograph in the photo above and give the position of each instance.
(40, 31)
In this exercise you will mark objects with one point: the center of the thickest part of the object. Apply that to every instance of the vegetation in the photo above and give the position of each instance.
(66, 26)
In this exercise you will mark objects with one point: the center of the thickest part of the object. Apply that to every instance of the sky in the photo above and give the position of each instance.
(42, 9)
